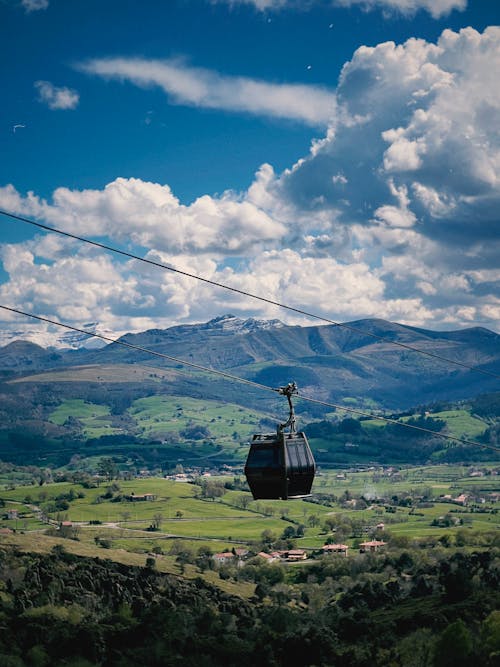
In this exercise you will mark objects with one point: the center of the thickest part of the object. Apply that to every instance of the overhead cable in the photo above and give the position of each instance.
(236, 378)
(215, 283)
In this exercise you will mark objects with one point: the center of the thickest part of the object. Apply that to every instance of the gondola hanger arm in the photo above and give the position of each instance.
(290, 389)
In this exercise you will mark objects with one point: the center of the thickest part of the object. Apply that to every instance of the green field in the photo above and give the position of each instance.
(459, 423)
(160, 417)
(229, 424)
(236, 519)
(95, 419)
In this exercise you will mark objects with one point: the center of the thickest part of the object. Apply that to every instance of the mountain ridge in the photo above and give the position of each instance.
(354, 361)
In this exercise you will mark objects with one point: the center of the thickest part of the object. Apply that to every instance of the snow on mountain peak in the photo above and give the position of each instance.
(58, 339)
(231, 323)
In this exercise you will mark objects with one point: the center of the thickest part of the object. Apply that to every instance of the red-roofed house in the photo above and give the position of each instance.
(223, 557)
(335, 549)
(241, 553)
(269, 558)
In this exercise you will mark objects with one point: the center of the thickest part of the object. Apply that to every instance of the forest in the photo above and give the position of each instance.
(399, 609)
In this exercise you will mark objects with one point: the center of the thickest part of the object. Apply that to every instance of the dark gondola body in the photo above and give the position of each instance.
(280, 465)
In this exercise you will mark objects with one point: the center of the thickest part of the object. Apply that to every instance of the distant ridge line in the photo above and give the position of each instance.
(258, 385)
(239, 291)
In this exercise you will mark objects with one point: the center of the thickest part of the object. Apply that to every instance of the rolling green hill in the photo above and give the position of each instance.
(55, 405)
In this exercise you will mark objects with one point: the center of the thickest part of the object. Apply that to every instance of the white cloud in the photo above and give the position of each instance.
(393, 214)
(408, 173)
(428, 115)
(263, 5)
(34, 5)
(205, 88)
(436, 8)
(151, 216)
(58, 277)
(73, 287)
(56, 98)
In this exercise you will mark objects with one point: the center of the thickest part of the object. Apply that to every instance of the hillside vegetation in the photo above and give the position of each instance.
(57, 406)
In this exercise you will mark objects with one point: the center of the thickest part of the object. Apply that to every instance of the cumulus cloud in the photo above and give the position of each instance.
(392, 214)
(151, 216)
(34, 5)
(205, 88)
(436, 8)
(414, 142)
(407, 176)
(56, 98)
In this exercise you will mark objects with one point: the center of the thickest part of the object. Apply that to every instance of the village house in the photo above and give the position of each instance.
(180, 477)
(241, 553)
(372, 545)
(294, 555)
(335, 549)
(269, 558)
(223, 557)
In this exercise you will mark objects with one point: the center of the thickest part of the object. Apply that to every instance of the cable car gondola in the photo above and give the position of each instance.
(280, 465)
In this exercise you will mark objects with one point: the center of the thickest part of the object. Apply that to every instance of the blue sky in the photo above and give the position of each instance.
(338, 155)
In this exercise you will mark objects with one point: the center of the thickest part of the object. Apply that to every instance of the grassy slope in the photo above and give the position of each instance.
(459, 423)
(43, 544)
(94, 418)
(222, 522)
(174, 413)
(158, 416)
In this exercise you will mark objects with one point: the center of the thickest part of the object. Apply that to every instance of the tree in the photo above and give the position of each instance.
(156, 521)
(183, 557)
(454, 646)
(261, 590)
(212, 490)
(204, 559)
(195, 432)
(416, 649)
(350, 426)
(267, 537)
(281, 593)
(490, 638)
(107, 468)
(288, 533)
(243, 500)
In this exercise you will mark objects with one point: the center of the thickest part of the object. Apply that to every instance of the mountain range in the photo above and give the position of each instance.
(356, 363)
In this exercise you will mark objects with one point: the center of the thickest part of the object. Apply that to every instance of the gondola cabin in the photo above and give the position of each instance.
(280, 465)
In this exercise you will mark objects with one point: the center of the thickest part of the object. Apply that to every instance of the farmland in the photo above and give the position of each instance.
(347, 506)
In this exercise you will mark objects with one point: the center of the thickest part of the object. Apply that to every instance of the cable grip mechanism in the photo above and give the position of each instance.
(290, 389)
